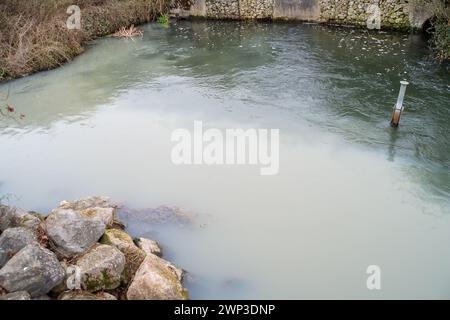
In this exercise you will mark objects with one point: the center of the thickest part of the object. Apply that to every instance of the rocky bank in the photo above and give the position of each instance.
(80, 251)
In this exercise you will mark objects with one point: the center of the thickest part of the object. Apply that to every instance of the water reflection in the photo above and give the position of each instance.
(343, 79)
(392, 145)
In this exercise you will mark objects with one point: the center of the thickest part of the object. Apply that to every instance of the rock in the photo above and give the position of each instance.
(95, 207)
(133, 255)
(33, 269)
(156, 280)
(16, 217)
(105, 215)
(19, 295)
(85, 203)
(101, 268)
(62, 286)
(71, 233)
(43, 297)
(149, 246)
(118, 238)
(12, 241)
(179, 272)
(30, 220)
(10, 217)
(105, 296)
(117, 224)
(85, 295)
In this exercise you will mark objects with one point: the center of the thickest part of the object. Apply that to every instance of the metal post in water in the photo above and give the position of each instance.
(398, 108)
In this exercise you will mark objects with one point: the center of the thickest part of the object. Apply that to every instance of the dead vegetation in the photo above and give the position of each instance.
(130, 32)
(42, 237)
(34, 35)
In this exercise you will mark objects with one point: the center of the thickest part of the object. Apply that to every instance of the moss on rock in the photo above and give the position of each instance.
(133, 255)
(101, 268)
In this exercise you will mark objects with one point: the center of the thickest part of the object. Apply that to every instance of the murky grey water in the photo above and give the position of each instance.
(351, 191)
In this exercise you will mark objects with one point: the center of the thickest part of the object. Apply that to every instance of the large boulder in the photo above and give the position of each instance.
(156, 280)
(12, 240)
(19, 295)
(149, 246)
(133, 255)
(96, 207)
(86, 295)
(101, 268)
(70, 233)
(33, 269)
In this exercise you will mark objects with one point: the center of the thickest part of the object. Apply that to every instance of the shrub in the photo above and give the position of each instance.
(440, 26)
(441, 34)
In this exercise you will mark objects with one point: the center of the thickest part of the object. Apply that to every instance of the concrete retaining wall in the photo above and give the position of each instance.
(305, 10)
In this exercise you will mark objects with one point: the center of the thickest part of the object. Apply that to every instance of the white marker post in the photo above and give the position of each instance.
(398, 108)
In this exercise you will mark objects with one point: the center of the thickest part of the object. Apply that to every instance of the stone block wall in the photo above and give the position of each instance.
(393, 13)
(397, 14)
(256, 9)
(222, 9)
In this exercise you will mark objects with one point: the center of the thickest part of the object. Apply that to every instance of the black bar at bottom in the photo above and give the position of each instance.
(224, 309)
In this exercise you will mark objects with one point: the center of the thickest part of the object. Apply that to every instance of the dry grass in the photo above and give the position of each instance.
(128, 32)
(29, 46)
(34, 36)
(42, 237)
